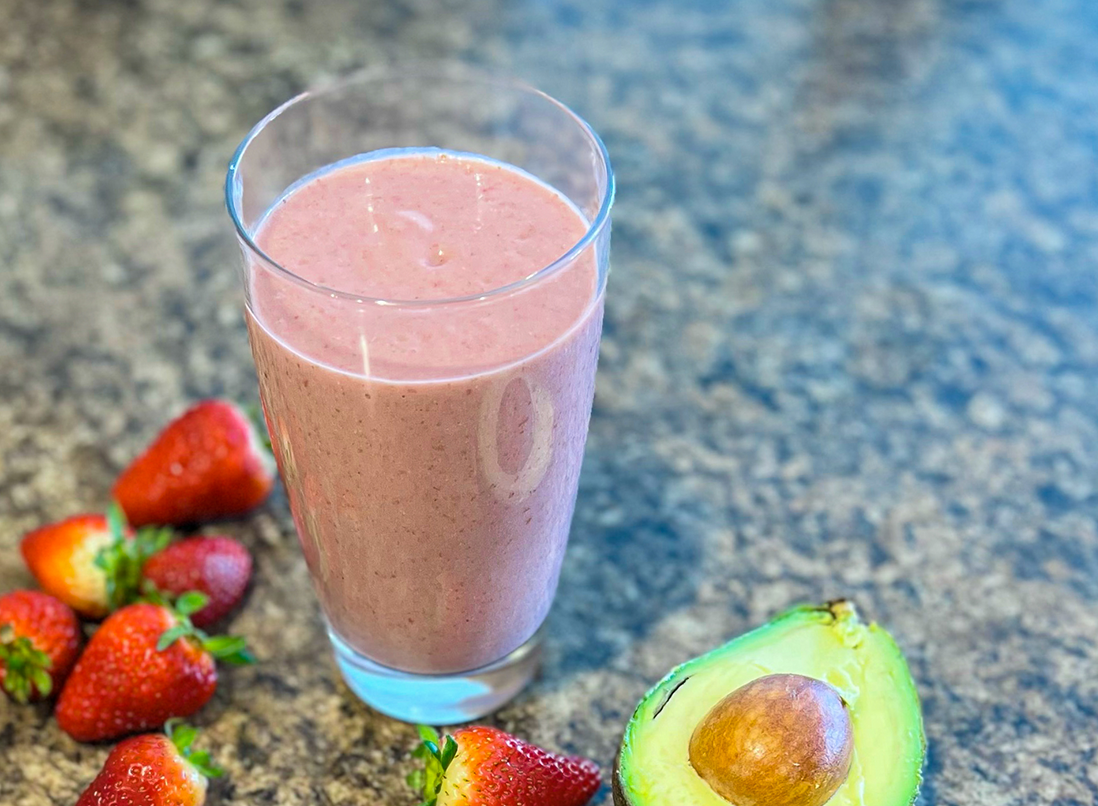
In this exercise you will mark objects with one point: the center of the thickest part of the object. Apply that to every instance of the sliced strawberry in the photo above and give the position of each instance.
(146, 664)
(153, 770)
(219, 567)
(39, 642)
(208, 463)
(482, 766)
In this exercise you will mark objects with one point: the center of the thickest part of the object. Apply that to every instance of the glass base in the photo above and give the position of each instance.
(437, 699)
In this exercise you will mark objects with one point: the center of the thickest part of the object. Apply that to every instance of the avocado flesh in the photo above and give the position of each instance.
(828, 643)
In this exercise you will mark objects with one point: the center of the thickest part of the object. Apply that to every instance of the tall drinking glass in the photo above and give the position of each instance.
(425, 258)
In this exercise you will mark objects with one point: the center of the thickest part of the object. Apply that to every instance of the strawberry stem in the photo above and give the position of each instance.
(191, 602)
(123, 560)
(232, 649)
(26, 668)
(259, 423)
(436, 754)
(182, 736)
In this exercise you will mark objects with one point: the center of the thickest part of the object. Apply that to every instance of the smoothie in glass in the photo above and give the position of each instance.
(432, 458)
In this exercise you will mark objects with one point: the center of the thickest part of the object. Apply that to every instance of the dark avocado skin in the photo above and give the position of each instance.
(619, 796)
(615, 780)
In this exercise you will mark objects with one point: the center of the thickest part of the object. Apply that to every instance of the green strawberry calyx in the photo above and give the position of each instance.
(232, 649)
(258, 421)
(26, 668)
(436, 754)
(123, 560)
(182, 736)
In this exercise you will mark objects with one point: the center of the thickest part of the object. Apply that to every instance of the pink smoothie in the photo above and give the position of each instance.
(431, 452)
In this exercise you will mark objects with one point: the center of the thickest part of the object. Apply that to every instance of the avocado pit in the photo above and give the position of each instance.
(779, 740)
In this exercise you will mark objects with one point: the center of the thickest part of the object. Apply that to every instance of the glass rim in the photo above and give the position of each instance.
(447, 70)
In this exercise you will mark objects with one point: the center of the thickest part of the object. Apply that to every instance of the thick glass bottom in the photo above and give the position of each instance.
(437, 699)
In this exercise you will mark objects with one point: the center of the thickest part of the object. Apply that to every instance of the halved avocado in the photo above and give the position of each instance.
(828, 643)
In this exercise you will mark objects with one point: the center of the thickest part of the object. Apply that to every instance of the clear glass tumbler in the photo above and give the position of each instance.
(432, 491)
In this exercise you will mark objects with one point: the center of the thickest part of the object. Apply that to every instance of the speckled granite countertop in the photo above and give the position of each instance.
(851, 349)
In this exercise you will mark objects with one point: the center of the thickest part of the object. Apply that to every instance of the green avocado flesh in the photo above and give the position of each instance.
(828, 643)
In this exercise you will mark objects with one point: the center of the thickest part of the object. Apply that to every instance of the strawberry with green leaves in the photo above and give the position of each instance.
(155, 769)
(482, 766)
(208, 463)
(39, 642)
(146, 664)
(92, 563)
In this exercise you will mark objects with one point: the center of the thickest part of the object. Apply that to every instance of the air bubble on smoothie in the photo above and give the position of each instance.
(436, 256)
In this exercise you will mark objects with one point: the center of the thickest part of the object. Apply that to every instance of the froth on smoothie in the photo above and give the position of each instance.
(421, 227)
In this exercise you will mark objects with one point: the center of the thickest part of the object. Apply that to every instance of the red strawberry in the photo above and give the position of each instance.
(482, 766)
(208, 463)
(153, 770)
(145, 664)
(219, 567)
(92, 563)
(39, 642)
